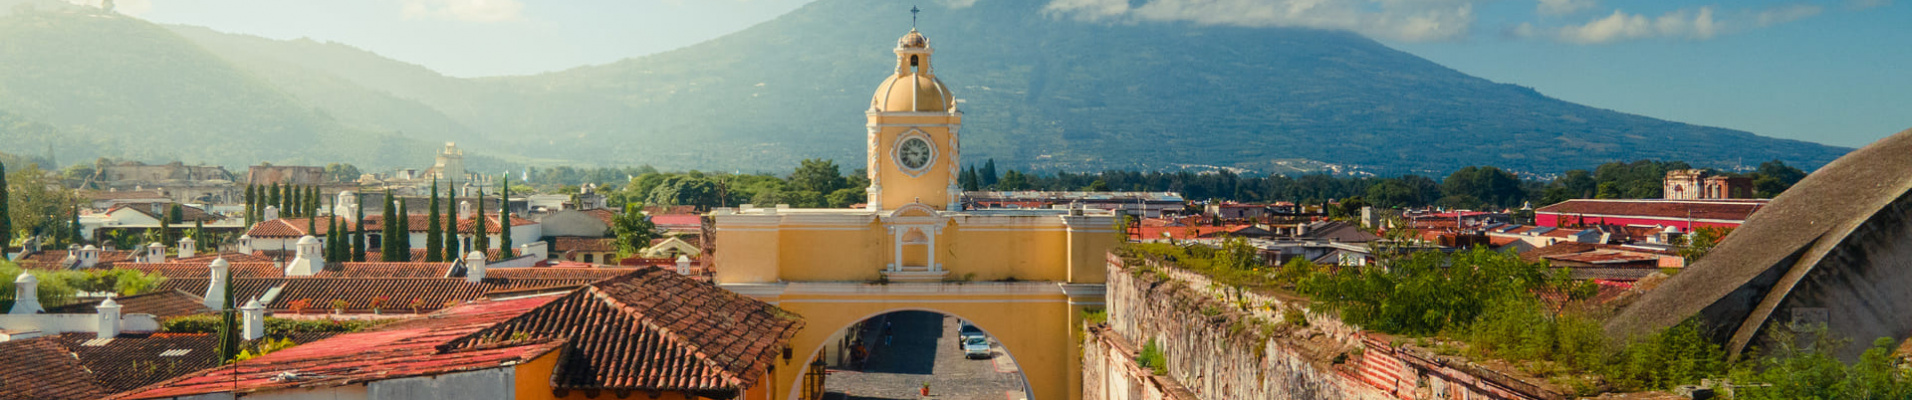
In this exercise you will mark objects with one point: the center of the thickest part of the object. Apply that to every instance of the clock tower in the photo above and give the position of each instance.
(913, 134)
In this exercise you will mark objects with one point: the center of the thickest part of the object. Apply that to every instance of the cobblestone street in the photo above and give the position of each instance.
(925, 349)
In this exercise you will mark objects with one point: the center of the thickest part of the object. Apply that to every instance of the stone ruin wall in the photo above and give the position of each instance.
(1215, 347)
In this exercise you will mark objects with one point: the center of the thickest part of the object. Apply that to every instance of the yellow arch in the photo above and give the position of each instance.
(1035, 322)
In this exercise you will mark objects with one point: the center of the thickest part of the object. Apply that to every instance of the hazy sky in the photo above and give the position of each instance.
(1830, 71)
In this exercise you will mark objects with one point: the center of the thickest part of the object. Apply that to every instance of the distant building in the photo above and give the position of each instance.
(284, 175)
(1684, 214)
(1698, 184)
(1144, 204)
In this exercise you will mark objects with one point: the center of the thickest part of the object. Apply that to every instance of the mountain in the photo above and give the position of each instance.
(1041, 92)
(116, 86)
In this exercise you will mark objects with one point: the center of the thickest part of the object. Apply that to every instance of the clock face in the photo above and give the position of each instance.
(914, 153)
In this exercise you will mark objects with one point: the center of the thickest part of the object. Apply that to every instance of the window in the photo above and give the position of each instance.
(588, 258)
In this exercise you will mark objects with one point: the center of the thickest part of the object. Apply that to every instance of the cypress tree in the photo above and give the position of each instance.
(451, 225)
(272, 200)
(404, 230)
(6, 215)
(504, 218)
(988, 175)
(165, 229)
(73, 230)
(250, 203)
(312, 208)
(390, 225)
(292, 200)
(480, 235)
(331, 239)
(358, 233)
(434, 239)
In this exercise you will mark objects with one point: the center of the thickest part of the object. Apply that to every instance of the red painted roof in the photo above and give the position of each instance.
(407, 348)
(41, 368)
(386, 270)
(677, 220)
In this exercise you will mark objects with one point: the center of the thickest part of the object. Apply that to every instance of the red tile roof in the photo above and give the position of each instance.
(655, 330)
(242, 288)
(186, 213)
(131, 361)
(1730, 210)
(386, 270)
(202, 271)
(42, 369)
(603, 215)
(292, 228)
(592, 274)
(163, 304)
(432, 293)
(402, 349)
(295, 227)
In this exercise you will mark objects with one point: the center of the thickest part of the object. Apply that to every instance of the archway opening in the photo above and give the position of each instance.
(895, 355)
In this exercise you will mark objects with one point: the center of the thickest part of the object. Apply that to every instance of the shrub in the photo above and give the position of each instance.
(1095, 316)
(1152, 358)
(1790, 370)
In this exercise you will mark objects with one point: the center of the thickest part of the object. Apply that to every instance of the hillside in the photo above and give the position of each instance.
(118, 86)
(1041, 92)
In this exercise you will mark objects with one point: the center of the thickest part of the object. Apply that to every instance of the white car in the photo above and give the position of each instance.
(976, 347)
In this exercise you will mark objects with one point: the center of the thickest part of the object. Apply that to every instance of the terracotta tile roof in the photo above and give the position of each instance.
(387, 270)
(602, 215)
(131, 361)
(557, 273)
(201, 271)
(655, 330)
(432, 293)
(51, 259)
(242, 288)
(418, 255)
(292, 227)
(42, 369)
(402, 349)
(231, 257)
(163, 304)
(564, 244)
(1730, 210)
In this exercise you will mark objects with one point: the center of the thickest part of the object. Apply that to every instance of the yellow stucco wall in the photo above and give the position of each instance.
(532, 381)
(931, 186)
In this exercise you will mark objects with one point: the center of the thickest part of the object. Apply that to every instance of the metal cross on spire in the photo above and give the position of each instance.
(913, 11)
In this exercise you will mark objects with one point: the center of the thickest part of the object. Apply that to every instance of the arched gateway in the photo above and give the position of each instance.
(1023, 275)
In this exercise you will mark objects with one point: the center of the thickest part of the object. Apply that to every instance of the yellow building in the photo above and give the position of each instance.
(1023, 276)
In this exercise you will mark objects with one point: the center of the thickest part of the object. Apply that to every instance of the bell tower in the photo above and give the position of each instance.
(914, 151)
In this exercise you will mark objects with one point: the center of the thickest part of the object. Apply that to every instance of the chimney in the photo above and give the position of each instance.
(683, 265)
(306, 259)
(72, 259)
(272, 213)
(89, 256)
(155, 253)
(464, 209)
(475, 267)
(186, 247)
(109, 319)
(254, 315)
(216, 292)
(26, 295)
(245, 244)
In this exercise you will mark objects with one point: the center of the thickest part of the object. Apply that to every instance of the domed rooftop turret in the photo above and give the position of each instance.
(914, 86)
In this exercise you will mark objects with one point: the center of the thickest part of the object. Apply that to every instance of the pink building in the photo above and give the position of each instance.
(1683, 214)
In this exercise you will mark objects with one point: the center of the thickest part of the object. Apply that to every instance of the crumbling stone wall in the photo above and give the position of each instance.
(1214, 348)
(1221, 342)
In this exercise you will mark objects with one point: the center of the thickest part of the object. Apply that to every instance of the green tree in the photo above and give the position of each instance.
(36, 202)
(228, 349)
(252, 204)
(404, 231)
(272, 198)
(1774, 177)
(1012, 181)
(480, 235)
(686, 190)
(504, 219)
(845, 197)
(451, 225)
(1700, 241)
(634, 230)
(434, 230)
(358, 231)
(332, 240)
(6, 218)
(337, 172)
(817, 175)
(988, 173)
(388, 245)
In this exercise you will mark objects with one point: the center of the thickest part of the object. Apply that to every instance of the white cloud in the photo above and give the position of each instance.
(463, 10)
(959, 4)
(1691, 24)
(1408, 20)
(1776, 16)
(1564, 7)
